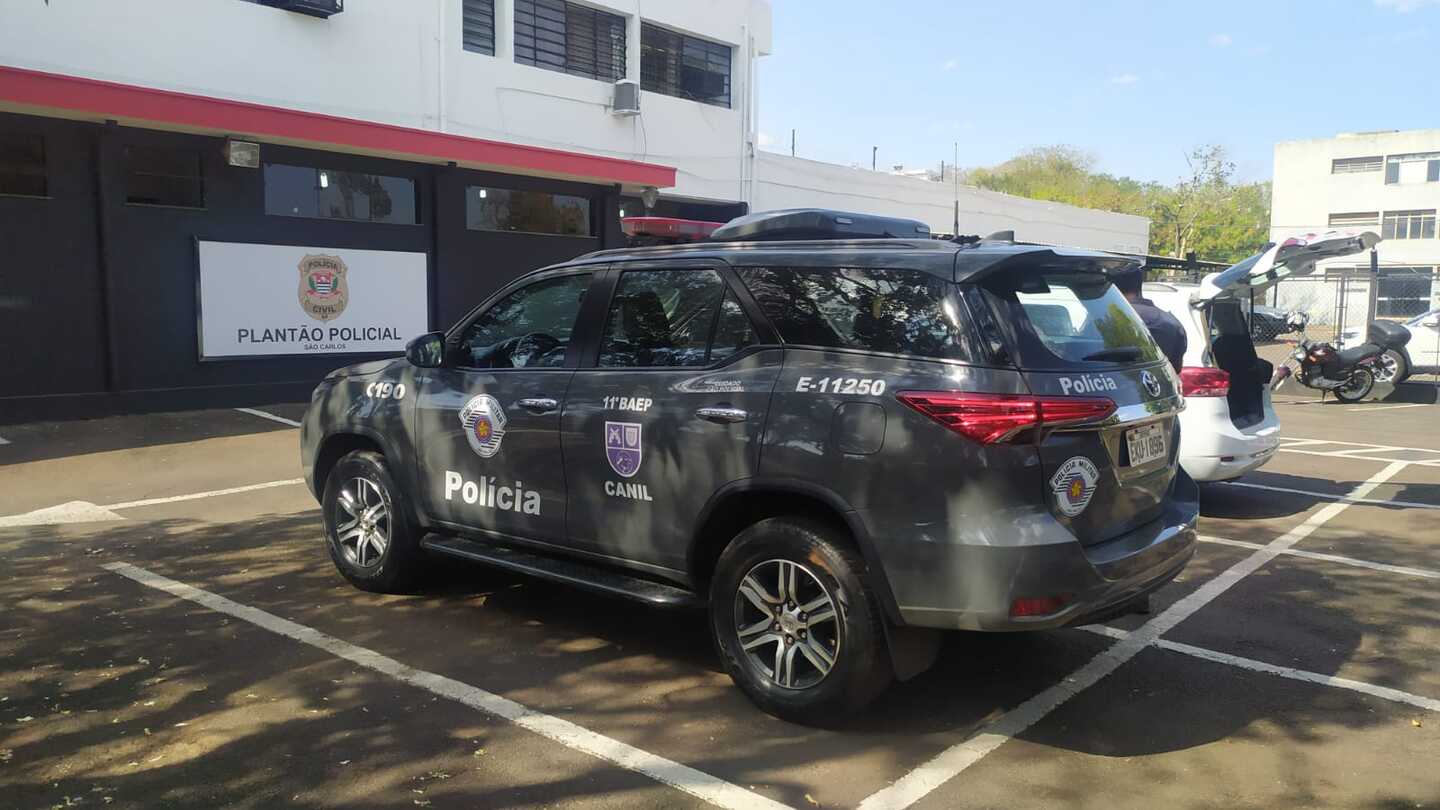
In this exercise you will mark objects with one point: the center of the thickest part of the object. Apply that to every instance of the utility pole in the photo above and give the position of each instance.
(956, 168)
(792, 143)
(874, 150)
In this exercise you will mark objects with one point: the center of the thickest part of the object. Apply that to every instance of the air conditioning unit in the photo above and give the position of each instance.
(315, 8)
(627, 98)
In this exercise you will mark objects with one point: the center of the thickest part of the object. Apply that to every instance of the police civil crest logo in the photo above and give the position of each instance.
(484, 422)
(622, 447)
(324, 292)
(1074, 485)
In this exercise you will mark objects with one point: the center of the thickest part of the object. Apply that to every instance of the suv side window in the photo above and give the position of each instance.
(908, 312)
(529, 328)
(661, 318)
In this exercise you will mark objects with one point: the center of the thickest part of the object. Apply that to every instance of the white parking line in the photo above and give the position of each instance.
(195, 496)
(1292, 441)
(1332, 497)
(1390, 407)
(1335, 558)
(272, 417)
(86, 512)
(1345, 454)
(1293, 674)
(915, 785)
(681, 777)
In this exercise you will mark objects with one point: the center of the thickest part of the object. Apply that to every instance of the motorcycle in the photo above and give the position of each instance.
(1349, 373)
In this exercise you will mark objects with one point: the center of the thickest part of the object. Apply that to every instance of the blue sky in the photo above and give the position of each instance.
(1136, 83)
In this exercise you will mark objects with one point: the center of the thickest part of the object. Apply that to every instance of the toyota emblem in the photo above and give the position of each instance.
(1151, 384)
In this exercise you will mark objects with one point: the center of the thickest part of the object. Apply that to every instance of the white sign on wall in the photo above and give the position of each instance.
(258, 300)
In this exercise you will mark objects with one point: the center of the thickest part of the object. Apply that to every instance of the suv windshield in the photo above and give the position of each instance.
(1074, 317)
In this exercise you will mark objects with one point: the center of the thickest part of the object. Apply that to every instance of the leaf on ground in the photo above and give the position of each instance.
(811, 799)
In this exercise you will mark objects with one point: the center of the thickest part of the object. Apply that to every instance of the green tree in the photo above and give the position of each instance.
(1205, 211)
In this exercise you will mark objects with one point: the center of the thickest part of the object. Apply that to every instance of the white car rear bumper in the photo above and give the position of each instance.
(1213, 449)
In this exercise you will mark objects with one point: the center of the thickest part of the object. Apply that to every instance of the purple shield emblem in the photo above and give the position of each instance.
(622, 447)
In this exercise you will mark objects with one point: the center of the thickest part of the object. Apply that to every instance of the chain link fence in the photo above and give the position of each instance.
(1339, 303)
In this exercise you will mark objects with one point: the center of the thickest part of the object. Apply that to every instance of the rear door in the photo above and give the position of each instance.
(1075, 335)
(670, 409)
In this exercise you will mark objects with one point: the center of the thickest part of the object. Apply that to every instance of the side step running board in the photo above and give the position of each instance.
(569, 572)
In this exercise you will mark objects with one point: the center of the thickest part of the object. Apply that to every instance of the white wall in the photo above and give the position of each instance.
(401, 62)
(1306, 193)
(787, 182)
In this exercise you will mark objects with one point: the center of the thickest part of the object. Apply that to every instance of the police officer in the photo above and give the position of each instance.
(1169, 335)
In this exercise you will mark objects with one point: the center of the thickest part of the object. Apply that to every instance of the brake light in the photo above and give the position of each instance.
(994, 418)
(1039, 606)
(1198, 381)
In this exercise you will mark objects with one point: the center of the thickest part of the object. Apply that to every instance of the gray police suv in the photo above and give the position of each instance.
(840, 435)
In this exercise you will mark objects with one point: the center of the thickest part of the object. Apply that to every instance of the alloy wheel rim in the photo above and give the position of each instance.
(362, 522)
(787, 624)
(1389, 367)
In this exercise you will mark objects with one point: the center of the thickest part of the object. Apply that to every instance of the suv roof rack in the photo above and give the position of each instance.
(817, 223)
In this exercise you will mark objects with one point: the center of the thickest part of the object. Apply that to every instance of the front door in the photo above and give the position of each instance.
(489, 421)
(672, 409)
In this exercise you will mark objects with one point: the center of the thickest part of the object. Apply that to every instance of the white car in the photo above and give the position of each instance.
(1229, 426)
(1420, 356)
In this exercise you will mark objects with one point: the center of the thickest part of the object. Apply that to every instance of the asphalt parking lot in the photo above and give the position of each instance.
(174, 635)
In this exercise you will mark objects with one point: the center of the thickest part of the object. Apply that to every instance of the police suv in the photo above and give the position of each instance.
(838, 434)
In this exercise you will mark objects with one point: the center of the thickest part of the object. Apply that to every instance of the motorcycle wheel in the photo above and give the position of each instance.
(1392, 367)
(1358, 387)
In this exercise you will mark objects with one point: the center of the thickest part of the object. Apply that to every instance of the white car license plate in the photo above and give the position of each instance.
(1146, 444)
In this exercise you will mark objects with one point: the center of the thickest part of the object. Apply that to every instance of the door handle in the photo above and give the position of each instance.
(538, 404)
(722, 416)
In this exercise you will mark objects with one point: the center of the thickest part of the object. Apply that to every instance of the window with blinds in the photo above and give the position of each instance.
(1356, 165)
(684, 66)
(1357, 219)
(478, 26)
(570, 38)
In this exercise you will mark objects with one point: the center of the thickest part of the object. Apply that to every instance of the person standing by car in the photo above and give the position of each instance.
(1169, 335)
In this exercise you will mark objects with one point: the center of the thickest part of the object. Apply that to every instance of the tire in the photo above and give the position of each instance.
(827, 576)
(1361, 381)
(382, 554)
(1392, 368)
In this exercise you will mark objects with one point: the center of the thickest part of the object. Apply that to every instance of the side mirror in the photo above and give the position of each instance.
(426, 351)
(1431, 322)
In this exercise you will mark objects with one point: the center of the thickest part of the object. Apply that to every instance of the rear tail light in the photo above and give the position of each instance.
(1039, 605)
(993, 418)
(1198, 381)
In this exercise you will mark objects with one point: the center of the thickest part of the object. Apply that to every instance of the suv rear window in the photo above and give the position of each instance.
(907, 312)
(1073, 318)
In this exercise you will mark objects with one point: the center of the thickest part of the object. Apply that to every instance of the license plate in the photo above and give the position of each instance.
(1146, 444)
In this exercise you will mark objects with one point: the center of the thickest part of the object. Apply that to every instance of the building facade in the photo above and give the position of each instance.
(1387, 182)
(215, 203)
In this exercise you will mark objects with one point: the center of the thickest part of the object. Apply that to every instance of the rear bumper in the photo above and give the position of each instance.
(968, 586)
(1213, 449)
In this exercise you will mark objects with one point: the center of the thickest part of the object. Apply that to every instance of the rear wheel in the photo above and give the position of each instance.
(370, 540)
(1392, 368)
(795, 626)
(1357, 387)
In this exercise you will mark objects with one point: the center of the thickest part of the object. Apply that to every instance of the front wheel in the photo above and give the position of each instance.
(1357, 387)
(796, 628)
(371, 541)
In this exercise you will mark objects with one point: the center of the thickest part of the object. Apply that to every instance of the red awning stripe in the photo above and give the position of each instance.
(30, 88)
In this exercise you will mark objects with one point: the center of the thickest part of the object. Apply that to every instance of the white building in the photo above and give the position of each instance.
(482, 138)
(1388, 182)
